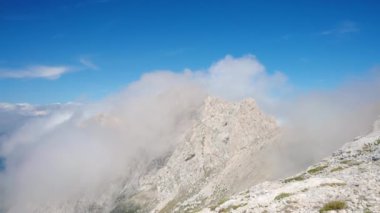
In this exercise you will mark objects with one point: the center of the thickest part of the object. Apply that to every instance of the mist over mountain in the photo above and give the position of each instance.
(207, 106)
(175, 141)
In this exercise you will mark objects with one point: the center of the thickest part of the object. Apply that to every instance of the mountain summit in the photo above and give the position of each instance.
(215, 158)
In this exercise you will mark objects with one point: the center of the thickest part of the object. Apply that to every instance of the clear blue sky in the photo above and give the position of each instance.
(109, 43)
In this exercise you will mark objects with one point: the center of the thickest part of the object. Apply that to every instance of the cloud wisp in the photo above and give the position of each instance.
(343, 28)
(44, 72)
(85, 61)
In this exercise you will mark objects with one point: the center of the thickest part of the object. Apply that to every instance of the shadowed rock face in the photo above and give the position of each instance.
(215, 158)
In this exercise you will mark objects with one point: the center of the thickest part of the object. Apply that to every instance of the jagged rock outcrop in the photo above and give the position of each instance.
(347, 181)
(202, 169)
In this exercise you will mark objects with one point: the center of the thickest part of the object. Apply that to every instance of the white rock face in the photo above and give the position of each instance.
(351, 175)
(202, 169)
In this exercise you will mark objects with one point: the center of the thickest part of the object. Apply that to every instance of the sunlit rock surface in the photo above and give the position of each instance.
(350, 176)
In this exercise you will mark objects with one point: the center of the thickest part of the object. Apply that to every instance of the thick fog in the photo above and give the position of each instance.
(77, 151)
(318, 123)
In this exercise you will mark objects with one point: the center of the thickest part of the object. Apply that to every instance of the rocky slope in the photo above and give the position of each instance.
(202, 169)
(348, 180)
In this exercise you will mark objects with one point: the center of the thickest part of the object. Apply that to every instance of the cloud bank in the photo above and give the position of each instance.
(84, 153)
(75, 153)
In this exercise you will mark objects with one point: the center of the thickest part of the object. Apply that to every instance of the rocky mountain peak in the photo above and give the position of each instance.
(203, 166)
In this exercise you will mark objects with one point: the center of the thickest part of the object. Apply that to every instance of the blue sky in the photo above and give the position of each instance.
(58, 51)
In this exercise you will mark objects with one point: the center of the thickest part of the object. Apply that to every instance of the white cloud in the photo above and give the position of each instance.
(46, 72)
(342, 28)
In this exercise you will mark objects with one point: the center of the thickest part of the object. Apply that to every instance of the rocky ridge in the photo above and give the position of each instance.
(347, 181)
